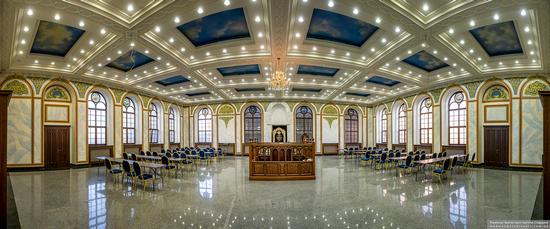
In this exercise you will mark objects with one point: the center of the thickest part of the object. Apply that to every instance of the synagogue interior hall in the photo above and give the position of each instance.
(287, 114)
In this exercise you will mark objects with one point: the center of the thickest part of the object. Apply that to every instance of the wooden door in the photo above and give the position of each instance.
(496, 146)
(56, 147)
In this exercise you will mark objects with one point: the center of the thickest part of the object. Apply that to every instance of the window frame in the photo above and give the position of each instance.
(153, 118)
(460, 128)
(303, 124)
(402, 124)
(207, 119)
(125, 121)
(426, 116)
(96, 110)
(256, 121)
(172, 126)
(351, 127)
(384, 126)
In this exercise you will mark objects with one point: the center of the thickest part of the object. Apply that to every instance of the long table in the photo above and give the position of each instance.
(151, 166)
(433, 161)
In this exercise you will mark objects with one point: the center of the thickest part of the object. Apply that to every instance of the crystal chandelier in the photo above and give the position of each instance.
(279, 82)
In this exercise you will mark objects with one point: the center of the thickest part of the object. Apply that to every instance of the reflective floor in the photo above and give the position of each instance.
(344, 195)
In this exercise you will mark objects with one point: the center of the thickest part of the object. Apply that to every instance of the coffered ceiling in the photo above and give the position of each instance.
(202, 51)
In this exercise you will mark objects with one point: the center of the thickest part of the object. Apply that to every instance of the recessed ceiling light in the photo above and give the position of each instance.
(257, 19)
(132, 44)
(224, 50)
(472, 23)
(300, 19)
(207, 53)
(176, 19)
(130, 7)
(36, 61)
(383, 40)
(262, 47)
(119, 51)
(500, 63)
(330, 3)
(496, 17)
(304, 1)
(23, 41)
(295, 46)
(20, 52)
(347, 53)
(517, 62)
(526, 29)
(243, 48)
(332, 51)
(226, 2)
(102, 31)
(471, 51)
(82, 51)
(57, 17)
(171, 40)
(25, 29)
(462, 41)
(355, 11)
(53, 63)
(372, 49)
(425, 7)
(159, 58)
(157, 29)
(200, 10)
(397, 29)
(523, 12)
(108, 58)
(297, 35)
(451, 31)
(534, 61)
(378, 20)
(532, 52)
(30, 12)
(314, 48)
(529, 42)
(92, 42)
(81, 24)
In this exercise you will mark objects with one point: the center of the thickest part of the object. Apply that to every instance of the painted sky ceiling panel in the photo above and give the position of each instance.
(302, 89)
(330, 26)
(130, 60)
(197, 94)
(425, 61)
(358, 94)
(218, 27)
(498, 39)
(55, 39)
(240, 70)
(383, 81)
(316, 70)
(172, 80)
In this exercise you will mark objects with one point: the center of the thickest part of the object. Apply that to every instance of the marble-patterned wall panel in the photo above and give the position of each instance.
(19, 131)
(226, 129)
(437, 128)
(57, 113)
(145, 138)
(496, 113)
(330, 129)
(472, 130)
(370, 129)
(516, 113)
(117, 130)
(531, 136)
(317, 133)
(410, 137)
(81, 126)
(37, 131)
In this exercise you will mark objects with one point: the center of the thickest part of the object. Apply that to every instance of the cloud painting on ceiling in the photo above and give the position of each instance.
(498, 39)
(425, 61)
(358, 94)
(172, 80)
(222, 26)
(316, 70)
(130, 60)
(382, 81)
(252, 89)
(55, 39)
(240, 70)
(303, 89)
(197, 93)
(326, 25)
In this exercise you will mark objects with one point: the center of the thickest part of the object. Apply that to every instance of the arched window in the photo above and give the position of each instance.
(205, 126)
(351, 123)
(153, 123)
(402, 124)
(426, 121)
(384, 126)
(97, 119)
(304, 123)
(128, 121)
(172, 125)
(457, 119)
(252, 124)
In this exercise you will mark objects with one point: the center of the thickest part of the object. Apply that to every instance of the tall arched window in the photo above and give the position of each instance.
(304, 123)
(457, 119)
(384, 127)
(426, 121)
(128, 121)
(252, 124)
(172, 125)
(153, 123)
(205, 126)
(402, 124)
(351, 123)
(97, 119)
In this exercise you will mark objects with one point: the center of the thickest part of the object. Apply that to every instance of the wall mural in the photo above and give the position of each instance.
(55, 39)
(425, 61)
(57, 93)
(222, 26)
(130, 60)
(330, 26)
(496, 93)
(316, 70)
(534, 88)
(382, 81)
(498, 39)
(240, 70)
(18, 87)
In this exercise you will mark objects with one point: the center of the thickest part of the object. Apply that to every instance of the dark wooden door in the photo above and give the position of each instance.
(496, 146)
(56, 147)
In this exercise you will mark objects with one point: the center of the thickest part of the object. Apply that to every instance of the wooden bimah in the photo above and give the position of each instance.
(282, 161)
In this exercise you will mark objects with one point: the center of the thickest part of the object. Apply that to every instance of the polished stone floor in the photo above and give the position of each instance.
(344, 195)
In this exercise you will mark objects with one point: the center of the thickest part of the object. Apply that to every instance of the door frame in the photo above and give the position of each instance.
(69, 148)
(509, 153)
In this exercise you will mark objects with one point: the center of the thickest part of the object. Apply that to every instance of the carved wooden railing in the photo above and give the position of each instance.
(282, 161)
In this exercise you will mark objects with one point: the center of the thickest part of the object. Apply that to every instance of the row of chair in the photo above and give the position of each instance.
(133, 172)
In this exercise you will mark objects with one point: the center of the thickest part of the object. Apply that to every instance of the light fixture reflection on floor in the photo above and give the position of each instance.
(279, 82)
